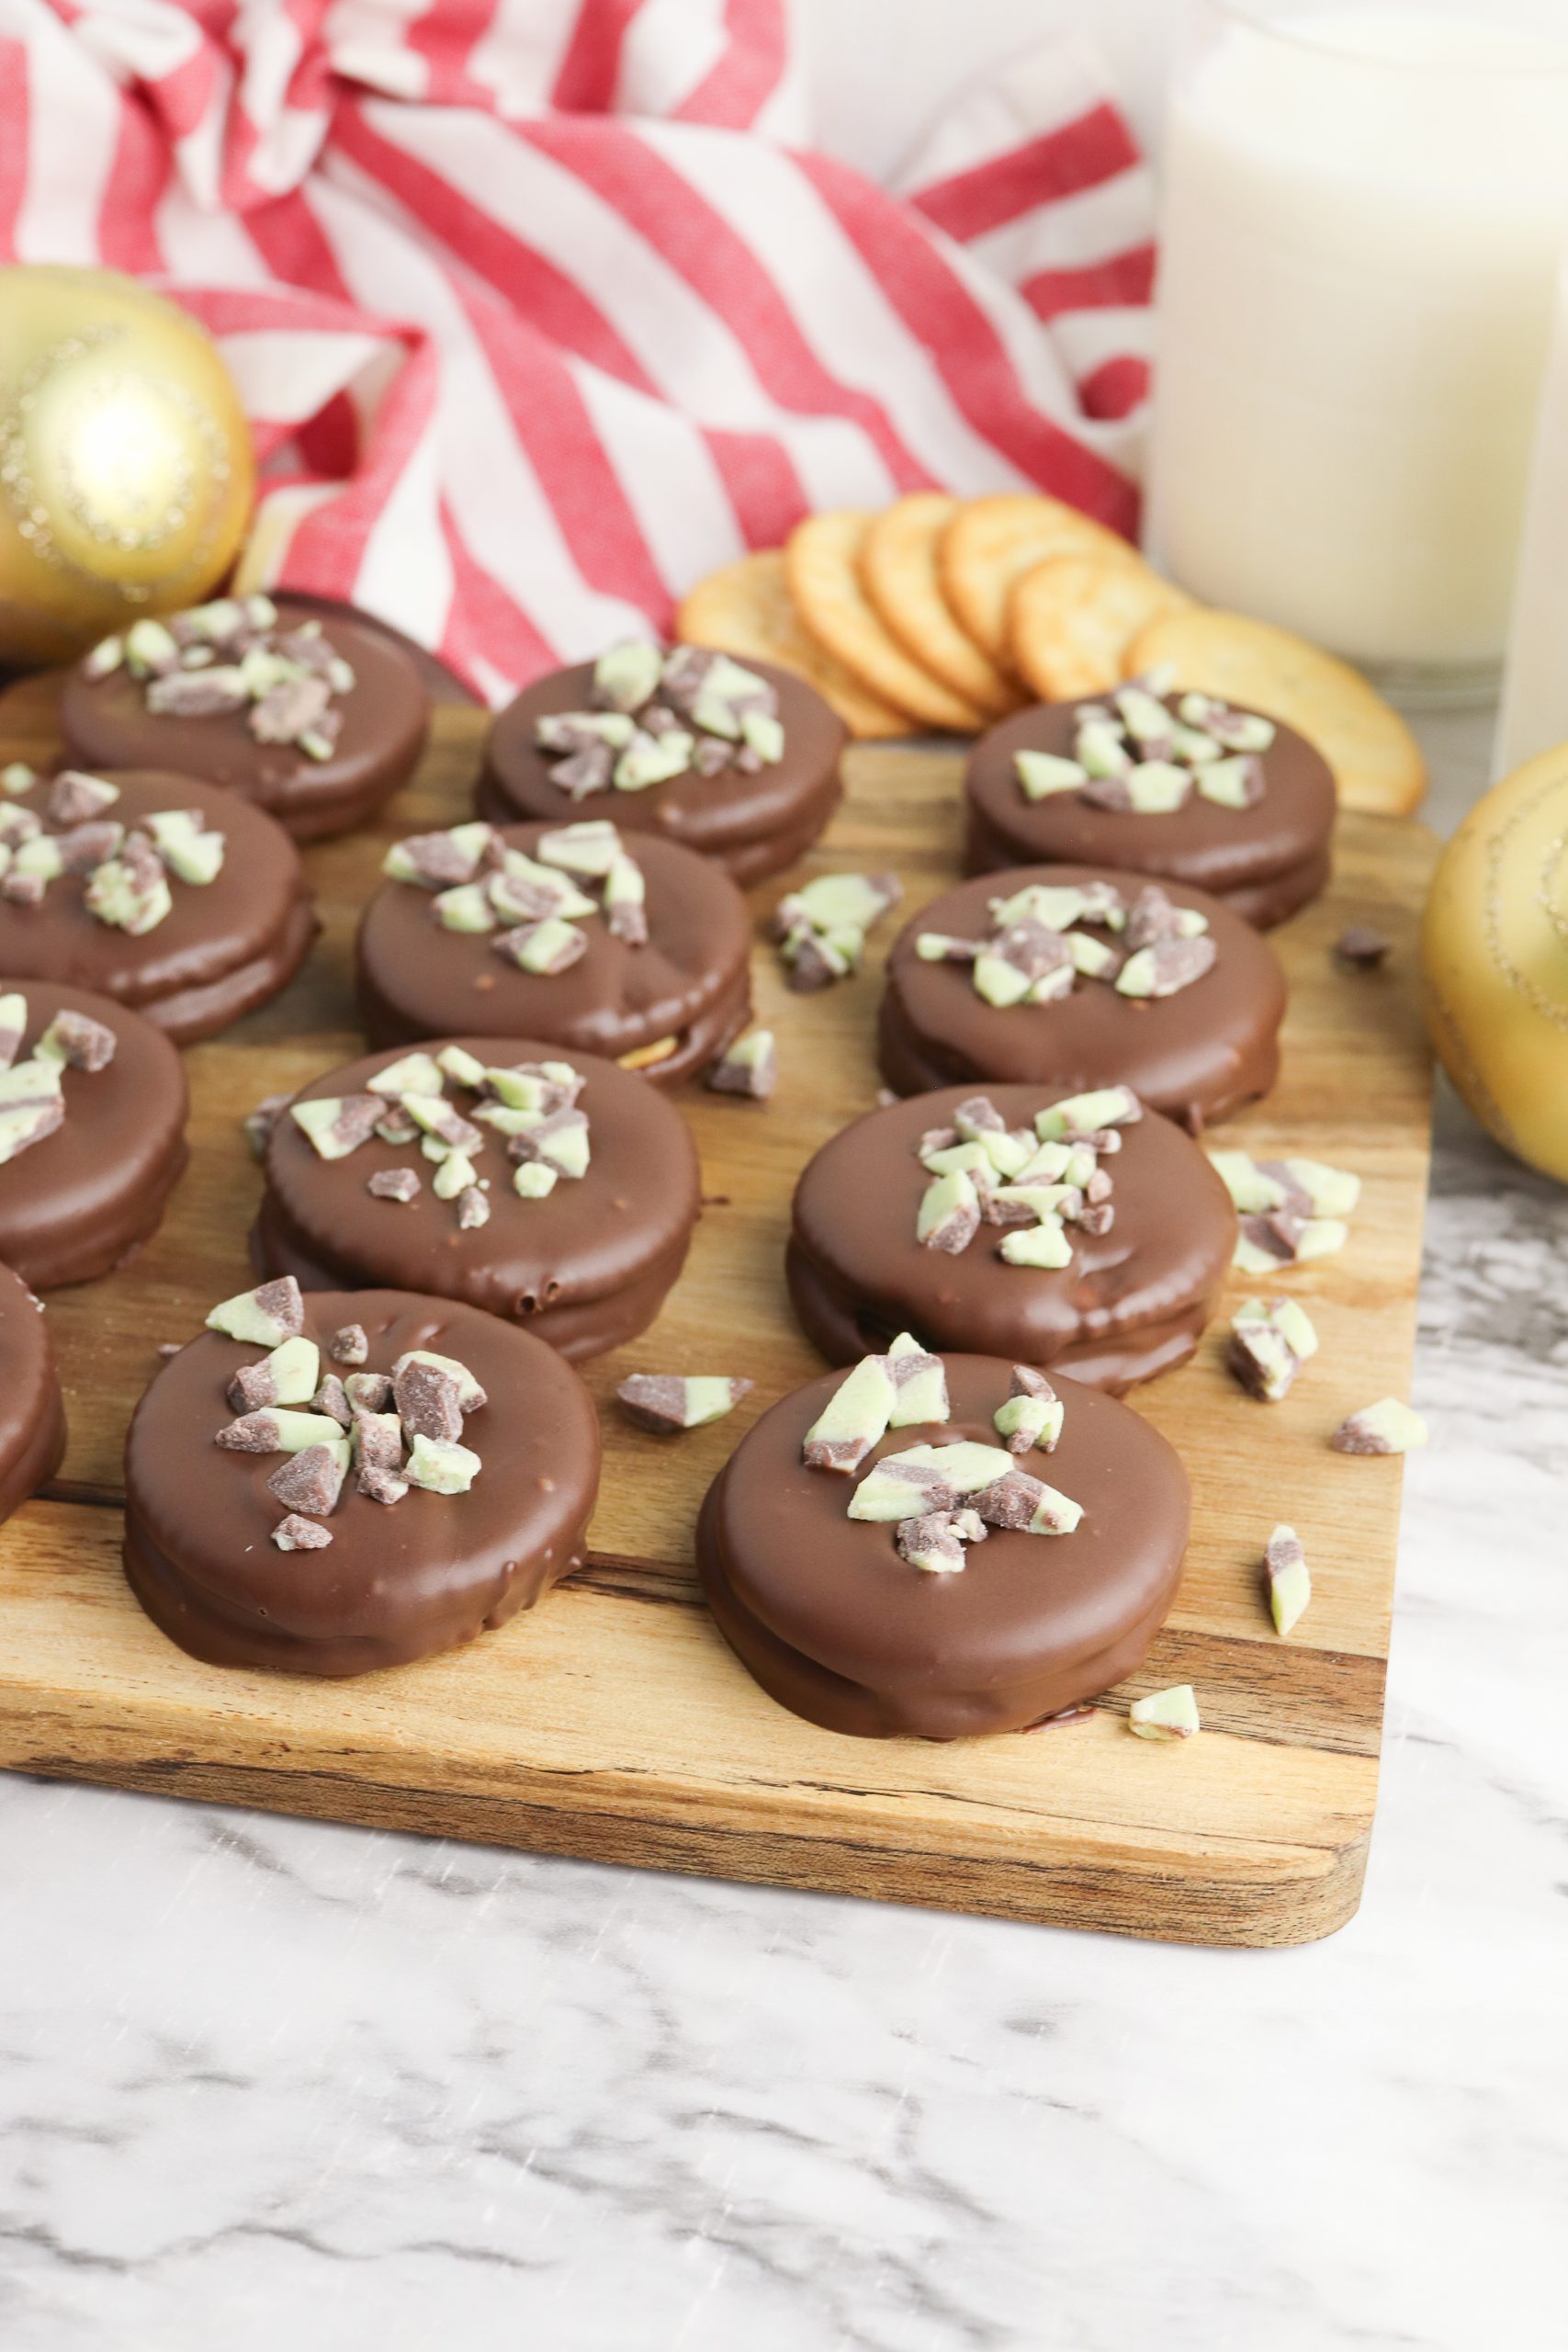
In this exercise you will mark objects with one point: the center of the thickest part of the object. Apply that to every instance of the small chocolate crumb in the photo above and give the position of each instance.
(74, 798)
(260, 1123)
(309, 1481)
(382, 1485)
(86, 1044)
(331, 1397)
(1361, 948)
(297, 1534)
(253, 1389)
(251, 1433)
(426, 1399)
(394, 1184)
(349, 1345)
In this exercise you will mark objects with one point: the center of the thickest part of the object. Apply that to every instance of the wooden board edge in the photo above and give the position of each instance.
(1289, 1895)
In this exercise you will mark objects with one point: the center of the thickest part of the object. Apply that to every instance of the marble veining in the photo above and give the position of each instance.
(268, 2082)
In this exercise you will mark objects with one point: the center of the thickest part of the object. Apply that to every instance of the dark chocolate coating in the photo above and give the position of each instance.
(1133, 1303)
(398, 1581)
(32, 1418)
(1197, 1055)
(85, 1198)
(225, 946)
(692, 980)
(752, 825)
(585, 1268)
(385, 716)
(1262, 862)
(834, 1624)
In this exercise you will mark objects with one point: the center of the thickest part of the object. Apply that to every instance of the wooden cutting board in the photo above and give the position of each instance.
(612, 1722)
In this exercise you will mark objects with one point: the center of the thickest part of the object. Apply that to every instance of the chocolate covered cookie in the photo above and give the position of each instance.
(558, 1194)
(1180, 787)
(739, 762)
(935, 1546)
(1083, 1234)
(32, 1418)
(169, 895)
(637, 951)
(315, 719)
(92, 1131)
(345, 1481)
(1074, 977)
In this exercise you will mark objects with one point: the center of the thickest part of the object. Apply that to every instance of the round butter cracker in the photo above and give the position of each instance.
(898, 571)
(822, 563)
(1073, 618)
(746, 609)
(992, 542)
(1376, 759)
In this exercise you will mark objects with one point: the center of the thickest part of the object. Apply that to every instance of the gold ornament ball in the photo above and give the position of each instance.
(1494, 962)
(126, 472)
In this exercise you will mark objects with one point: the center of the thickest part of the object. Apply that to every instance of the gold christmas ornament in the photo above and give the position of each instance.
(126, 473)
(1494, 962)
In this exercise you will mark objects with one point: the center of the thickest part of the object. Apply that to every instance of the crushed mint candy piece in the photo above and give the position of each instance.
(273, 1312)
(949, 1214)
(1268, 1344)
(440, 1466)
(935, 1541)
(668, 1402)
(1032, 1414)
(76, 798)
(470, 1395)
(748, 1067)
(1165, 1714)
(1387, 1427)
(311, 1480)
(297, 1534)
(337, 1125)
(1041, 773)
(1287, 1578)
(1165, 968)
(400, 1184)
(77, 1041)
(920, 1384)
(854, 1418)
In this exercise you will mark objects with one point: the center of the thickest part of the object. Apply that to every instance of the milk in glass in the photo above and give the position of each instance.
(1363, 217)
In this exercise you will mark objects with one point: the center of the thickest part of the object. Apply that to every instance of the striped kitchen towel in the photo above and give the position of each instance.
(543, 308)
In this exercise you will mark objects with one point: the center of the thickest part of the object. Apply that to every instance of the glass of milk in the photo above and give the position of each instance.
(1534, 716)
(1364, 214)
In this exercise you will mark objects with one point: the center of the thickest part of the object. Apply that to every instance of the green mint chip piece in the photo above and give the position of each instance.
(1045, 1245)
(412, 1074)
(186, 848)
(1165, 1714)
(1287, 1578)
(441, 1465)
(466, 908)
(626, 675)
(1041, 773)
(853, 1419)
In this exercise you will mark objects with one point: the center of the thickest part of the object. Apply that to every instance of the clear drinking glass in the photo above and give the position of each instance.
(1363, 217)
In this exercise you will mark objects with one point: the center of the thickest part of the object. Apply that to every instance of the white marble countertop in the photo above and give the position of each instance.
(263, 2081)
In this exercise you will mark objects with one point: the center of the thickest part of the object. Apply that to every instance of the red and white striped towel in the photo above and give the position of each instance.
(543, 308)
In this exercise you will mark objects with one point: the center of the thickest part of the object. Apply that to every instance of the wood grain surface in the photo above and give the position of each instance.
(612, 1722)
